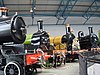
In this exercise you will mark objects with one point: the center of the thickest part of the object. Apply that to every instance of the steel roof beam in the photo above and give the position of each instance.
(2, 3)
(61, 10)
(58, 15)
(87, 0)
(32, 10)
(33, 7)
(69, 9)
(50, 14)
(87, 15)
(48, 5)
(39, 11)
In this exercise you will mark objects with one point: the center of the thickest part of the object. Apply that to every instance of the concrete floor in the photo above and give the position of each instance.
(68, 69)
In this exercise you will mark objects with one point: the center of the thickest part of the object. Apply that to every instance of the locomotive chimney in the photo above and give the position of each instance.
(40, 24)
(3, 12)
(90, 30)
(68, 30)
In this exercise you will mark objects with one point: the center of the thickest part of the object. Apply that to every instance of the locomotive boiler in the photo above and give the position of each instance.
(89, 41)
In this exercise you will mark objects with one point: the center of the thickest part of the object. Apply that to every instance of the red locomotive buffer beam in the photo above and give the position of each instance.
(36, 58)
(47, 56)
(32, 58)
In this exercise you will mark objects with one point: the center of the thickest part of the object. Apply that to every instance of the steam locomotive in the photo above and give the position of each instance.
(63, 44)
(12, 32)
(38, 41)
(88, 41)
(38, 38)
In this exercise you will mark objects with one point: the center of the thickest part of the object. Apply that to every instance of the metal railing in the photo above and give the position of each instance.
(89, 62)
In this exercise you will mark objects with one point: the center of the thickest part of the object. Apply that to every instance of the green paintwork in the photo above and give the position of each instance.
(99, 36)
(28, 39)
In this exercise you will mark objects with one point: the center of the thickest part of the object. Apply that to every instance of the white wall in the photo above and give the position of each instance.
(94, 69)
(56, 30)
(70, 20)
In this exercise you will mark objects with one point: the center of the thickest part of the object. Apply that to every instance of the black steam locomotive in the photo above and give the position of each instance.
(12, 32)
(38, 39)
(88, 41)
(41, 37)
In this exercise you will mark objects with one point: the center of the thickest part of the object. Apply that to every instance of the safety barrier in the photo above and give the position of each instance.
(89, 63)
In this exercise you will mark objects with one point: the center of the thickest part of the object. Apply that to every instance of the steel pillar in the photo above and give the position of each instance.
(2, 3)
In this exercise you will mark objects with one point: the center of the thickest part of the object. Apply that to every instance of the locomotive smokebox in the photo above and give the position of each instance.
(12, 30)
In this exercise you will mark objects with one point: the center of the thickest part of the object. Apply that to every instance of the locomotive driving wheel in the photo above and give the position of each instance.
(57, 59)
(13, 68)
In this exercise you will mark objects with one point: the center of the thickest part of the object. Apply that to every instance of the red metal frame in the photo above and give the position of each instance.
(34, 58)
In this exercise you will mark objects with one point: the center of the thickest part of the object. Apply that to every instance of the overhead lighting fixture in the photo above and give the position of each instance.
(31, 10)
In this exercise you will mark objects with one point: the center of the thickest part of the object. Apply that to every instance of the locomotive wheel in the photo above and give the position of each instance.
(64, 61)
(94, 40)
(29, 70)
(13, 68)
(55, 60)
(59, 61)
